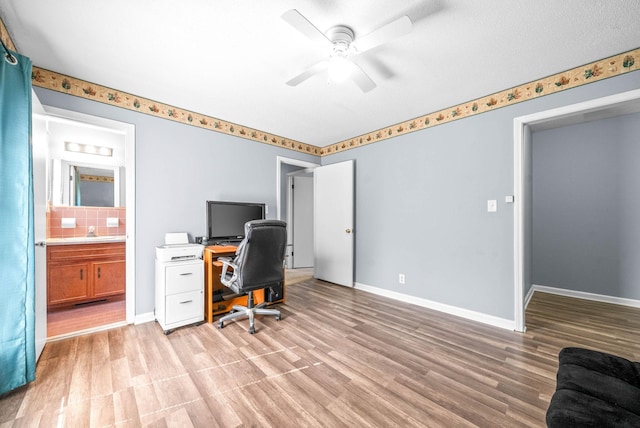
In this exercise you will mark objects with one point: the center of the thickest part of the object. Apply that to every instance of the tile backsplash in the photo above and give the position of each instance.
(85, 218)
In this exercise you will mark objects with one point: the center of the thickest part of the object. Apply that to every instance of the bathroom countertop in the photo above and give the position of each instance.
(85, 240)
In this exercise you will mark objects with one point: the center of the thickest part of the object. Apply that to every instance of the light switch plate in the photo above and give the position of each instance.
(492, 205)
(112, 221)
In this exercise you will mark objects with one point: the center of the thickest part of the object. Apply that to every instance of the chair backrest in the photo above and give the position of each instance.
(260, 255)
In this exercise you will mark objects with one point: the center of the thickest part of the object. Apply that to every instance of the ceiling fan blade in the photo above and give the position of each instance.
(361, 78)
(392, 30)
(302, 24)
(314, 69)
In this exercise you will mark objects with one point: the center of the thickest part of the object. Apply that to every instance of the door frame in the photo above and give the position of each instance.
(128, 131)
(596, 109)
(280, 160)
(39, 143)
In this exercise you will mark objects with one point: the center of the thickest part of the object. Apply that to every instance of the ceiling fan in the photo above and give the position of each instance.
(341, 44)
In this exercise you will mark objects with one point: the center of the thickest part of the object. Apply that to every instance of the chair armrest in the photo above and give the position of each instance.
(227, 263)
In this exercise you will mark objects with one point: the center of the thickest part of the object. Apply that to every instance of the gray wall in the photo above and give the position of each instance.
(586, 207)
(420, 198)
(178, 168)
(421, 205)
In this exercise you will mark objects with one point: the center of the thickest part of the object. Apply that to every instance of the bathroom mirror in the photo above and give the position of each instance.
(86, 165)
(79, 184)
(92, 187)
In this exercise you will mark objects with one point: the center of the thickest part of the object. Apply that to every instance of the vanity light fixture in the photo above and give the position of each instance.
(88, 149)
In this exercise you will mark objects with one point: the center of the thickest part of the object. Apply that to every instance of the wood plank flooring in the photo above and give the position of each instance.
(338, 358)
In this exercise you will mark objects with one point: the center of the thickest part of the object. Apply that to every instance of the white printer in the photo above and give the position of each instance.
(177, 247)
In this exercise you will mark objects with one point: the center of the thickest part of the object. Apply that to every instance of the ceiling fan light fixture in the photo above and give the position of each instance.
(341, 42)
(339, 68)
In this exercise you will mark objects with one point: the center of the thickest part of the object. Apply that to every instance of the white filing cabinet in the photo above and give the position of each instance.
(179, 293)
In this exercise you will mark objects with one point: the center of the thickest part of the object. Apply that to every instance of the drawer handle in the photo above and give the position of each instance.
(186, 273)
(98, 272)
(186, 301)
(81, 273)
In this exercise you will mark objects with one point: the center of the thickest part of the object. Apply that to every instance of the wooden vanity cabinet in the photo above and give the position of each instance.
(67, 283)
(82, 273)
(108, 278)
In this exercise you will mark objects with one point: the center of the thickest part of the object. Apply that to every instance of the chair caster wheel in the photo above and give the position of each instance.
(252, 330)
(220, 325)
(277, 317)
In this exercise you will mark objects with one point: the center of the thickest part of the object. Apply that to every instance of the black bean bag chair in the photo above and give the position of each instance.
(595, 389)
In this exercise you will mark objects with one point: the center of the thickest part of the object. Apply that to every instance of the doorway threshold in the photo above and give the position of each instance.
(86, 331)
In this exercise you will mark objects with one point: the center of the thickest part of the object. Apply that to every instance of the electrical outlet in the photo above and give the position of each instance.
(401, 278)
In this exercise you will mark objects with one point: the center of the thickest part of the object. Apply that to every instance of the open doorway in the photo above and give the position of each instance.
(300, 217)
(295, 206)
(90, 214)
(333, 218)
(524, 128)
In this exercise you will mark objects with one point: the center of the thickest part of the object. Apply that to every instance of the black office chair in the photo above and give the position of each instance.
(258, 264)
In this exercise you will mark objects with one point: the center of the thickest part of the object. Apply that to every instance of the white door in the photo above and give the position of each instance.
(302, 198)
(39, 149)
(333, 220)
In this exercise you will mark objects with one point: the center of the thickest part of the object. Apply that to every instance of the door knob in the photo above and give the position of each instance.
(348, 230)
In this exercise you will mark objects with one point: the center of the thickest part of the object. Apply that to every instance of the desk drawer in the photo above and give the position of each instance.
(184, 278)
(184, 306)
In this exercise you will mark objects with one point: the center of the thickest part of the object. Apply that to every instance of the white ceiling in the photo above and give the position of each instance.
(230, 59)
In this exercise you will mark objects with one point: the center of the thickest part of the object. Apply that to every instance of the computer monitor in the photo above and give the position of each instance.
(225, 220)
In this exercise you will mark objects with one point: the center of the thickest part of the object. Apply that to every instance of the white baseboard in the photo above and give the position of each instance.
(143, 318)
(452, 310)
(528, 297)
(587, 296)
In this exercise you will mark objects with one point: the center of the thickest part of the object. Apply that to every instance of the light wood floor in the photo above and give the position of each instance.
(338, 358)
(294, 276)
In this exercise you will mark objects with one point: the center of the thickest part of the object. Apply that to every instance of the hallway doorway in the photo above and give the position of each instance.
(524, 127)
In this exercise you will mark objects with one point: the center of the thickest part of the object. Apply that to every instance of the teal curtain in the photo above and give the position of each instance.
(17, 268)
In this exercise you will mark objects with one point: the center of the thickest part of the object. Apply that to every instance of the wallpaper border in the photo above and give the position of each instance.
(608, 67)
(6, 38)
(605, 68)
(578, 76)
(70, 85)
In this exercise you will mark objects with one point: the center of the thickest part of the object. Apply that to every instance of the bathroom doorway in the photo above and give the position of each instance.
(90, 223)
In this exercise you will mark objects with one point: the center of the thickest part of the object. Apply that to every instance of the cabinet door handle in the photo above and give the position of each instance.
(186, 301)
(186, 273)
(81, 273)
(98, 272)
